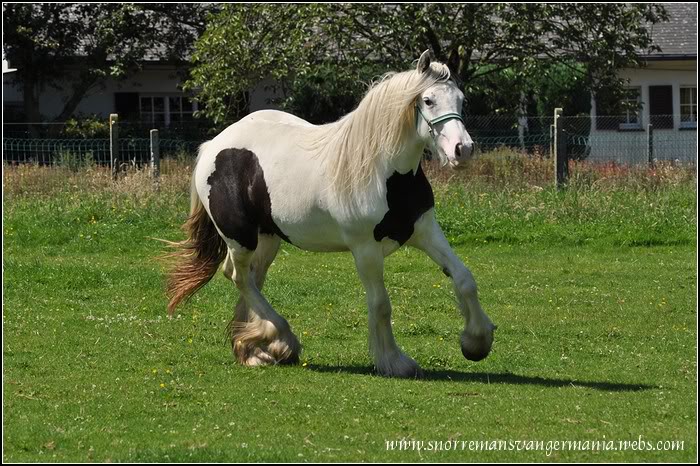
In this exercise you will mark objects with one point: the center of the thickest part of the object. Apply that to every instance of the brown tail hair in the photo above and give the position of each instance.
(197, 258)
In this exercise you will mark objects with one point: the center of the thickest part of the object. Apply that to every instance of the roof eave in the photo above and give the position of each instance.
(671, 57)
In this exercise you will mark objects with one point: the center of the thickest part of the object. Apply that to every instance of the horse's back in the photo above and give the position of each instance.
(277, 116)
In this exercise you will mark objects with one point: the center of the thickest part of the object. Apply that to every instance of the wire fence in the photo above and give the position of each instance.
(629, 140)
(623, 140)
(70, 152)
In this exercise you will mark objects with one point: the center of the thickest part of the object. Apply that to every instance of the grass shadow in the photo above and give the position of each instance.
(495, 378)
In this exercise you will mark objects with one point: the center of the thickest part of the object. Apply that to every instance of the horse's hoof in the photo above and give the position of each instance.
(476, 347)
(280, 351)
(285, 352)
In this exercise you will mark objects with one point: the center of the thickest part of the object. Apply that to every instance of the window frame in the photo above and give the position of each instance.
(693, 105)
(166, 112)
(627, 124)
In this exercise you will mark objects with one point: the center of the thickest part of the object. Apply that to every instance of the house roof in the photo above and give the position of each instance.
(677, 37)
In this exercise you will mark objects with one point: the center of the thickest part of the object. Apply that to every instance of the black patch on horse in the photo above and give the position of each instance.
(409, 196)
(239, 201)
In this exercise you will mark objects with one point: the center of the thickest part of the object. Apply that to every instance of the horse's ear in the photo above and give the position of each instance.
(453, 62)
(423, 62)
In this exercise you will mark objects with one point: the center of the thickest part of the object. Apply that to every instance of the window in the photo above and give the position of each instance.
(180, 109)
(126, 104)
(153, 110)
(689, 107)
(166, 110)
(618, 111)
(661, 107)
(632, 103)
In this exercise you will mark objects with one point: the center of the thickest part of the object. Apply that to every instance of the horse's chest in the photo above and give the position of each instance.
(408, 197)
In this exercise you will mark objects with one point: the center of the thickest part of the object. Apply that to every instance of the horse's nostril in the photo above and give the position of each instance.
(463, 151)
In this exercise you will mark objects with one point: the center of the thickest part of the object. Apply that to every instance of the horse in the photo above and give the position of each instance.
(354, 185)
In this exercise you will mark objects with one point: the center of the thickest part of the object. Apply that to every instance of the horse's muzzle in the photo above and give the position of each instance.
(462, 153)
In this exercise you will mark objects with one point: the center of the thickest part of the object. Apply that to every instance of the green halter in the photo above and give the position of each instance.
(436, 120)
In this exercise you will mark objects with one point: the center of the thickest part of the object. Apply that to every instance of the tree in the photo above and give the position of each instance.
(75, 45)
(246, 44)
(312, 50)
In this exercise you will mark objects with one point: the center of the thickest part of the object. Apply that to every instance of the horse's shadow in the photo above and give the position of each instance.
(493, 378)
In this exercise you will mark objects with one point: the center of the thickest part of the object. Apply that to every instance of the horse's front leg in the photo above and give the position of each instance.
(388, 358)
(477, 337)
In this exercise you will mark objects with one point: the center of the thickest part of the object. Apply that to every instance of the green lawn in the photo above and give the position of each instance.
(596, 342)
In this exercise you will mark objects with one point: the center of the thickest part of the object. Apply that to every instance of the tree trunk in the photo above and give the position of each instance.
(78, 91)
(31, 105)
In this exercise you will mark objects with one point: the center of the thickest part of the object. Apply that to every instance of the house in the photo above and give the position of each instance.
(152, 96)
(5, 66)
(664, 93)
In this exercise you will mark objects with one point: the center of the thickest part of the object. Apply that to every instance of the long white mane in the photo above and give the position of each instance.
(356, 147)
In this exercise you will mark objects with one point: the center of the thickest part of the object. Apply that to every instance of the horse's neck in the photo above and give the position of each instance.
(408, 159)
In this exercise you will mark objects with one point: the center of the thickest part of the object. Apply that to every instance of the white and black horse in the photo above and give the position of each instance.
(354, 185)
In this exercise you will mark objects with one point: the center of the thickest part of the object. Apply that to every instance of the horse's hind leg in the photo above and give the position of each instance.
(259, 335)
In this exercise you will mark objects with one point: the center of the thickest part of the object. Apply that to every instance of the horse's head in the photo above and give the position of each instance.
(439, 119)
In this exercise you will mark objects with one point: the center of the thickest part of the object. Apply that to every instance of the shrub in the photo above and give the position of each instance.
(86, 127)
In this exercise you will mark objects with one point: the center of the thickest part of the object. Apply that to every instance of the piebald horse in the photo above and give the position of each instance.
(354, 185)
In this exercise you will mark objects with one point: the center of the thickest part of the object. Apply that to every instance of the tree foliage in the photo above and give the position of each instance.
(75, 45)
(244, 45)
(322, 56)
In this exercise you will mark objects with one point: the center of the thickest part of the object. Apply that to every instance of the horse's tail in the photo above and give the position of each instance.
(198, 257)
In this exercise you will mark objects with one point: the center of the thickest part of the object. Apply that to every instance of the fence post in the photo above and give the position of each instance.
(650, 144)
(561, 162)
(114, 144)
(551, 141)
(155, 156)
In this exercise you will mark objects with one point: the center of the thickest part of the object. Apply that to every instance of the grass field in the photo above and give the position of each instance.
(593, 289)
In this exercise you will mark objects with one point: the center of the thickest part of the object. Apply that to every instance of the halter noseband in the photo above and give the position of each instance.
(436, 120)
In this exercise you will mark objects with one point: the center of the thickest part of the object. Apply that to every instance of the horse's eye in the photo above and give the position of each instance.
(428, 102)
